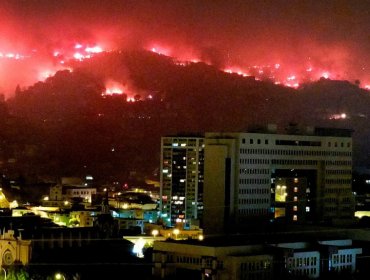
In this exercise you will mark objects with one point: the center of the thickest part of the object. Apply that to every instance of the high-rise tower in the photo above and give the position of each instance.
(181, 179)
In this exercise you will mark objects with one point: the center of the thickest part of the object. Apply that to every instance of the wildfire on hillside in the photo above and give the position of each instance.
(276, 72)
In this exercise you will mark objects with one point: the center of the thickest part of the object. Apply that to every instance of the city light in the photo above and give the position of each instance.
(59, 276)
(138, 247)
(176, 232)
(155, 232)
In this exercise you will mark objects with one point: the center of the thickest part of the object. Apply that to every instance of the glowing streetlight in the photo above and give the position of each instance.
(59, 276)
(201, 237)
(155, 232)
(176, 231)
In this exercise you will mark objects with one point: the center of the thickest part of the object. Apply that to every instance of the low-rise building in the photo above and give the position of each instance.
(14, 249)
(252, 259)
(300, 259)
(62, 195)
(339, 255)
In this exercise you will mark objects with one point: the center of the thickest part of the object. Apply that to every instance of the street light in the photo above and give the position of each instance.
(176, 232)
(59, 276)
(155, 232)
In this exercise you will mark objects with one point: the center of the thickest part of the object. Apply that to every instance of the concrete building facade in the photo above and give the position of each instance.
(244, 171)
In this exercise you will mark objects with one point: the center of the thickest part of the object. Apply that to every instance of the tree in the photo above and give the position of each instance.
(17, 272)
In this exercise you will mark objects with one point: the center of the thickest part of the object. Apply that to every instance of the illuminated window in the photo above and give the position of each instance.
(307, 208)
(295, 218)
(295, 208)
(295, 198)
(280, 193)
(295, 180)
(295, 189)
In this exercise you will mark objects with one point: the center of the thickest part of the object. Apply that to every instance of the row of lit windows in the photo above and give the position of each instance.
(254, 161)
(338, 181)
(197, 142)
(253, 211)
(253, 266)
(254, 171)
(336, 144)
(294, 152)
(298, 143)
(338, 162)
(331, 200)
(335, 172)
(258, 141)
(80, 192)
(190, 260)
(298, 262)
(253, 200)
(257, 181)
(337, 190)
(293, 162)
(254, 191)
(295, 142)
(304, 271)
(338, 258)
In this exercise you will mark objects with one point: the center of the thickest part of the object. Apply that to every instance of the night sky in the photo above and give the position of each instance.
(331, 34)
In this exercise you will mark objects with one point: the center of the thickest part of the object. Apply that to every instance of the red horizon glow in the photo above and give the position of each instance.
(277, 72)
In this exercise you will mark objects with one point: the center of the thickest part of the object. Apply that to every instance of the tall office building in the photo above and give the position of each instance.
(261, 176)
(181, 179)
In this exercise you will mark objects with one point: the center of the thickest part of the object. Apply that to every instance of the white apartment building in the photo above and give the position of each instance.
(340, 255)
(181, 178)
(300, 260)
(242, 171)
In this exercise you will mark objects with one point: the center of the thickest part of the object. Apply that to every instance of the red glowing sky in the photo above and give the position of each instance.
(330, 37)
